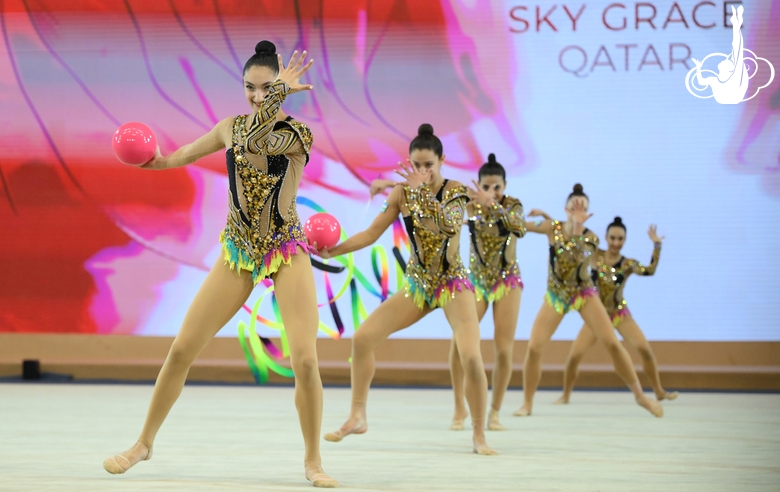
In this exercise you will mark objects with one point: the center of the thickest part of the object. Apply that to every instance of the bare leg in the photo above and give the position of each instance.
(218, 299)
(545, 324)
(584, 341)
(297, 297)
(596, 318)
(633, 334)
(395, 314)
(462, 316)
(505, 313)
(456, 374)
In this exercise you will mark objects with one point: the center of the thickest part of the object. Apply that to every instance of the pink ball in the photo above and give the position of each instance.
(134, 144)
(322, 229)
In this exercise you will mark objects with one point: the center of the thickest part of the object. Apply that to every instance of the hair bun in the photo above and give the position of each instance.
(425, 129)
(618, 220)
(578, 188)
(492, 159)
(265, 48)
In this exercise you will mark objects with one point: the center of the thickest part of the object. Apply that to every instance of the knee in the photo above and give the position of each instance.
(574, 360)
(614, 348)
(645, 352)
(504, 356)
(611, 343)
(180, 356)
(534, 351)
(361, 342)
(472, 363)
(304, 365)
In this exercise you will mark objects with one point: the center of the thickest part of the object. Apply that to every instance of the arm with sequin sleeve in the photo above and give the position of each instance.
(448, 213)
(476, 215)
(295, 139)
(512, 217)
(588, 242)
(261, 128)
(640, 269)
(590, 246)
(584, 245)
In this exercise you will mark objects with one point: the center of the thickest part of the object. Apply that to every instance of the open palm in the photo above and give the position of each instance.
(579, 213)
(411, 175)
(295, 69)
(652, 232)
(480, 196)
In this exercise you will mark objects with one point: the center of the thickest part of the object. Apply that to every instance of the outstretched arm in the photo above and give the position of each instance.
(370, 235)
(541, 226)
(380, 185)
(209, 143)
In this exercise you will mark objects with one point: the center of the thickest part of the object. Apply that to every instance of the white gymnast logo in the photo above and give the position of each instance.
(730, 84)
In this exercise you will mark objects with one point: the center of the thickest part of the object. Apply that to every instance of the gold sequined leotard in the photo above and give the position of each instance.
(611, 279)
(435, 271)
(265, 165)
(568, 281)
(494, 232)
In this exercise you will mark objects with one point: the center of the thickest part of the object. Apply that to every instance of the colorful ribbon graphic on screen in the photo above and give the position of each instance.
(253, 344)
(261, 353)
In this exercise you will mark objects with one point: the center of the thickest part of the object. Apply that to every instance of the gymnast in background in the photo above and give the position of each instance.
(610, 274)
(570, 286)
(495, 274)
(433, 209)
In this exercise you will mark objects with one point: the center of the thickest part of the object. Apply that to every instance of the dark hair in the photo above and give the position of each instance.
(577, 191)
(618, 222)
(492, 168)
(265, 56)
(425, 139)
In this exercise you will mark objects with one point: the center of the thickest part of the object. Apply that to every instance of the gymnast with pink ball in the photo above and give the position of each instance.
(266, 153)
(432, 208)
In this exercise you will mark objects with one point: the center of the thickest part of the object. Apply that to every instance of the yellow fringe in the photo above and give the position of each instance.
(562, 307)
(618, 317)
(443, 296)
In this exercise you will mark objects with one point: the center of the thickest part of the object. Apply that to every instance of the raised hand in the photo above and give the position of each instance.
(411, 175)
(736, 16)
(654, 235)
(480, 196)
(696, 62)
(579, 213)
(292, 73)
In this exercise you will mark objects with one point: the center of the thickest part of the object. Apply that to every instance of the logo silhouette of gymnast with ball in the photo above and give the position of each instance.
(730, 84)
